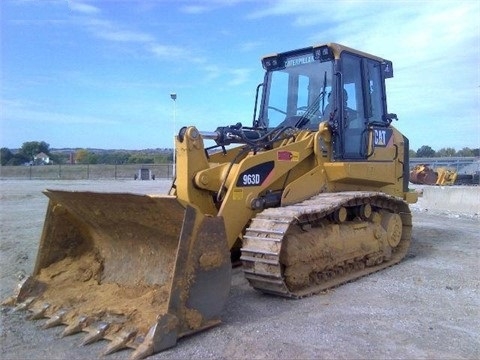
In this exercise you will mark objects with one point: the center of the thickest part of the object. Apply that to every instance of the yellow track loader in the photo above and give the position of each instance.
(313, 194)
(424, 175)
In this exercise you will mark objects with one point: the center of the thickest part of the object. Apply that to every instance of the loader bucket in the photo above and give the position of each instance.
(141, 271)
(422, 174)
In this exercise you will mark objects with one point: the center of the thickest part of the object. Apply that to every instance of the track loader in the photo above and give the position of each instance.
(423, 174)
(312, 195)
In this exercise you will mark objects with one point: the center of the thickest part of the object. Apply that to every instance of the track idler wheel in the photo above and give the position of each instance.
(392, 223)
(339, 215)
(364, 211)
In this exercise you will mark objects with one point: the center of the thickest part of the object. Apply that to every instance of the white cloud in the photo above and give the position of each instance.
(195, 9)
(111, 31)
(212, 72)
(249, 46)
(108, 30)
(167, 51)
(83, 8)
(235, 77)
(126, 36)
(209, 5)
(26, 112)
(239, 76)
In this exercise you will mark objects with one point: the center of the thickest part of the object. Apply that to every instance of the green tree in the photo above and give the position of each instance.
(466, 151)
(412, 153)
(425, 151)
(5, 155)
(162, 159)
(10, 159)
(140, 159)
(115, 157)
(58, 158)
(18, 159)
(32, 148)
(446, 152)
(83, 156)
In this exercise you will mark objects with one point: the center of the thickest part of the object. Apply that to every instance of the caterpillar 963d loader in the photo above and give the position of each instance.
(312, 195)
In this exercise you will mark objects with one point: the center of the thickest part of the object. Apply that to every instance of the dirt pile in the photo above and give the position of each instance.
(75, 284)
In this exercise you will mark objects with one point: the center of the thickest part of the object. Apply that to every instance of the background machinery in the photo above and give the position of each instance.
(423, 174)
(312, 195)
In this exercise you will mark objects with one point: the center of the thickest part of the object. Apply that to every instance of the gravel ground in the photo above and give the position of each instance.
(425, 307)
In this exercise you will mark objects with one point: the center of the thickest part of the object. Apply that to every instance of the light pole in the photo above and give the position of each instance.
(173, 96)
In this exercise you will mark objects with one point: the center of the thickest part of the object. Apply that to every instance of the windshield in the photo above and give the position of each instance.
(300, 89)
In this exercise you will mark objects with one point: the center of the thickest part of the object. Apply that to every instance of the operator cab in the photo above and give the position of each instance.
(329, 83)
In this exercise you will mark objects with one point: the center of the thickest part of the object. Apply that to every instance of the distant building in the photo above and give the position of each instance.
(41, 159)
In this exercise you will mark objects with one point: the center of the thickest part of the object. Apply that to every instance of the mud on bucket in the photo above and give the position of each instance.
(139, 270)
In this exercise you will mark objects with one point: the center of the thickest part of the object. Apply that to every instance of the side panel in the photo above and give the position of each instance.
(384, 170)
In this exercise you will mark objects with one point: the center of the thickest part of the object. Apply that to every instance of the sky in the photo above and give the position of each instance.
(99, 74)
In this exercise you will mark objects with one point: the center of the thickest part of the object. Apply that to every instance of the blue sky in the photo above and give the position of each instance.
(99, 73)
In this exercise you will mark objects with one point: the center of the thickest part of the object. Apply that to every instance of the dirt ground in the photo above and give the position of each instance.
(425, 307)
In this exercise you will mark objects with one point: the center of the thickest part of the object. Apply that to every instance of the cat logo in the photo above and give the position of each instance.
(380, 137)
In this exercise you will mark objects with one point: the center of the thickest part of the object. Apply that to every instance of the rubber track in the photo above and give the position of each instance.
(263, 239)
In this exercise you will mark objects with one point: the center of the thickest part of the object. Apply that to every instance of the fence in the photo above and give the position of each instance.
(86, 172)
(160, 171)
(453, 163)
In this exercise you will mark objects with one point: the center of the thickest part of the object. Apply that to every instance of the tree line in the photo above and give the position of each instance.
(26, 155)
(427, 151)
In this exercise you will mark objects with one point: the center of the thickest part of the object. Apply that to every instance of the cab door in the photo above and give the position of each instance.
(363, 102)
(353, 122)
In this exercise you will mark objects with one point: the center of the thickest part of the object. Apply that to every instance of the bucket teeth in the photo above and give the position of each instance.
(55, 320)
(24, 305)
(77, 326)
(10, 301)
(96, 333)
(120, 341)
(38, 313)
(145, 349)
(160, 336)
